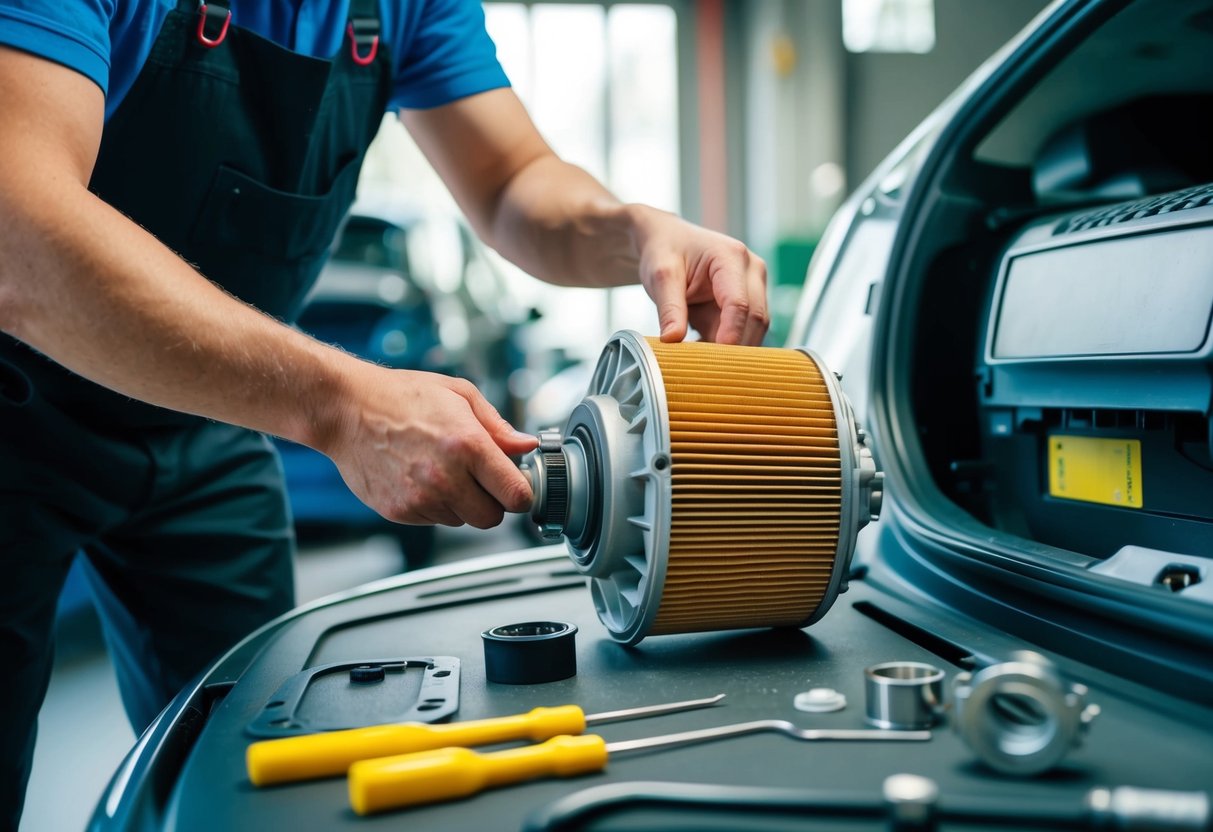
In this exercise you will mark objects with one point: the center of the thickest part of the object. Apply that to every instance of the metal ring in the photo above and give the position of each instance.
(1020, 717)
(903, 695)
(530, 653)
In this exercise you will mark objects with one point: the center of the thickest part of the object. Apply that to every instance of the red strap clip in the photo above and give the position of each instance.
(205, 17)
(371, 41)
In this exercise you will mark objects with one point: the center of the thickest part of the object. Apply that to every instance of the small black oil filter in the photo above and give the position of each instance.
(530, 653)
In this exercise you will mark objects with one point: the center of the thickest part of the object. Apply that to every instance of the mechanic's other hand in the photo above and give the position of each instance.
(700, 277)
(423, 448)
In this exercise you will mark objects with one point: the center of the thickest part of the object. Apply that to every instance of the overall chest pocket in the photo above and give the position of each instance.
(265, 245)
(244, 214)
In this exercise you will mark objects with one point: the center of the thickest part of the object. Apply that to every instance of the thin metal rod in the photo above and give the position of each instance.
(778, 726)
(652, 710)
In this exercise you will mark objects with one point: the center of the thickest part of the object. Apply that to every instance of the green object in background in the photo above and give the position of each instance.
(787, 273)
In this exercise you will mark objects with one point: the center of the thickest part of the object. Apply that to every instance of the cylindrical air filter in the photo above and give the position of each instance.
(707, 487)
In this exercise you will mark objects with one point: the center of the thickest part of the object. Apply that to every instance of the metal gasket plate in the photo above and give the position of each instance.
(422, 689)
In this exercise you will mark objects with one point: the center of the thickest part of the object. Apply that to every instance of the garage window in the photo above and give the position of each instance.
(888, 25)
(601, 82)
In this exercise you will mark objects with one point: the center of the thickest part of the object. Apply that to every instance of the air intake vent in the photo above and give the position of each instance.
(1196, 197)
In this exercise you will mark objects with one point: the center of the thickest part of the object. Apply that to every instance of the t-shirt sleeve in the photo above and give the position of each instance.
(450, 56)
(74, 33)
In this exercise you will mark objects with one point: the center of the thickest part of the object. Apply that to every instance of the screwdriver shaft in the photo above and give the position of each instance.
(765, 726)
(652, 710)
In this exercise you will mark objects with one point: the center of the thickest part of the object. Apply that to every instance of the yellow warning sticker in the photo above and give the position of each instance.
(1096, 470)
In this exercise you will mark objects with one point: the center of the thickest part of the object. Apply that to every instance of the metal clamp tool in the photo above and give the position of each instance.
(1020, 717)
(907, 803)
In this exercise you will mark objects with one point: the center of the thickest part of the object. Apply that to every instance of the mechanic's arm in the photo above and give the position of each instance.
(92, 290)
(558, 223)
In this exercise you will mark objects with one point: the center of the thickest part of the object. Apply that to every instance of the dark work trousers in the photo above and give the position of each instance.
(187, 545)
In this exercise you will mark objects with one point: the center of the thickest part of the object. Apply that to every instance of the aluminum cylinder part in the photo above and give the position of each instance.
(903, 695)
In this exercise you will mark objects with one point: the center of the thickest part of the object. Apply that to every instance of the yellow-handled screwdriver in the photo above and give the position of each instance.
(331, 754)
(452, 773)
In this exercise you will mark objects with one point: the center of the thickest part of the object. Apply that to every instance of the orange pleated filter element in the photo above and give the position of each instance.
(707, 487)
(756, 487)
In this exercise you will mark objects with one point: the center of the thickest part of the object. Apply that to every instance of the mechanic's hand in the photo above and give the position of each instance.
(699, 276)
(423, 448)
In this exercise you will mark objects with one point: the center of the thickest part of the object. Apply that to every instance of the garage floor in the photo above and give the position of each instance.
(83, 732)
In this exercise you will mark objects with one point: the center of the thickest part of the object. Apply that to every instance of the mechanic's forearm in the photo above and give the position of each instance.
(560, 224)
(89, 288)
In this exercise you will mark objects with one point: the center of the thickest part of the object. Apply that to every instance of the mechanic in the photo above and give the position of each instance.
(154, 146)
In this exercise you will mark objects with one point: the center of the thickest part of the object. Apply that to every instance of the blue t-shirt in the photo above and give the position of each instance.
(440, 50)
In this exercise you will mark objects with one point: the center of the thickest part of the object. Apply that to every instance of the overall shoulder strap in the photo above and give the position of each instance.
(364, 29)
(364, 9)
